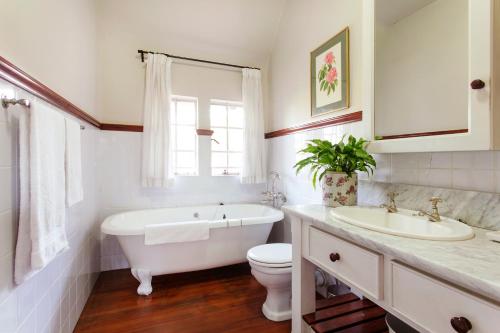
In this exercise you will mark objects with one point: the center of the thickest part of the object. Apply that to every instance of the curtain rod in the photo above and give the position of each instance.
(142, 52)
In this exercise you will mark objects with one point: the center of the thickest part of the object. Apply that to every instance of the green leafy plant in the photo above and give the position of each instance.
(339, 157)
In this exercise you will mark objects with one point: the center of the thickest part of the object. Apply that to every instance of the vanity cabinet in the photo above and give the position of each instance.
(356, 266)
(428, 303)
(433, 71)
(437, 306)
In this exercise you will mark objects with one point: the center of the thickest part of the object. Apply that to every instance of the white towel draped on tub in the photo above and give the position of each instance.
(74, 187)
(42, 234)
(176, 232)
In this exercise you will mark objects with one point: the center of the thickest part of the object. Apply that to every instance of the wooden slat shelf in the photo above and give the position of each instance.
(347, 314)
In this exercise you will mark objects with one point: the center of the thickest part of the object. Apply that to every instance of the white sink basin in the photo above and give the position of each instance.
(405, 223)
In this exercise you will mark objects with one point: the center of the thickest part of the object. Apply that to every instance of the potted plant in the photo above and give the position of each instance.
(335, 166)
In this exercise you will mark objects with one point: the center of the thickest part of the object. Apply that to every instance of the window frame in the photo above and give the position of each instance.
(174, 151)
(227, 128)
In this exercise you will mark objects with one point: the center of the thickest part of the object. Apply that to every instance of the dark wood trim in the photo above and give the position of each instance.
(23, 80)
(333, 121)
(13, 74)
(122, 128)
(416, 135)
(205, 132)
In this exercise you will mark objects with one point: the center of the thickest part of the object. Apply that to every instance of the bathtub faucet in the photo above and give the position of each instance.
(276, 199)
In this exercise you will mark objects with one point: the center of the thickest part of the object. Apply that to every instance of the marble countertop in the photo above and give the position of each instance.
(472, 264)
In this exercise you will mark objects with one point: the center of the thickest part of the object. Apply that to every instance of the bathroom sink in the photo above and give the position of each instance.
(404, 223)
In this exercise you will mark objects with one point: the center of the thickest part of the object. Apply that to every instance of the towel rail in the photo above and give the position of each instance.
(6, 102)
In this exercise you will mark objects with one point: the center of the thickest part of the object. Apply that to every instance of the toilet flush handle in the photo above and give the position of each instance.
(334, 257)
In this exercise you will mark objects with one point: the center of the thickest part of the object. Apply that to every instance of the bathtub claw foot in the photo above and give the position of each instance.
(144, 277)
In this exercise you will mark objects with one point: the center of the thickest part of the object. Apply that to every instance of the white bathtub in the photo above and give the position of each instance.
(234, 229)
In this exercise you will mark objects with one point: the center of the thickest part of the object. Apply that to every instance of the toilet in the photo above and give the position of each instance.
(272, 267)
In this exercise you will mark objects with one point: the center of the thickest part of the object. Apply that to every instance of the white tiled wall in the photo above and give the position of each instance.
(53, 299)
(478, 171)
(120, 188)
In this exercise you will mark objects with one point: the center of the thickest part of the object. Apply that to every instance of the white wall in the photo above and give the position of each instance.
(421, 70)
(475, 171)
(53, 299)
(305, 25)
(55, 42)
(238, 32)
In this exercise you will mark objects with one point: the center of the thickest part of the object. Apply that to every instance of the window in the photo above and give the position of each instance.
(183, 134)
(226, 119)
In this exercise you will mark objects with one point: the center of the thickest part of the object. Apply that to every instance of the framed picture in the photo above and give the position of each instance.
(330, 75)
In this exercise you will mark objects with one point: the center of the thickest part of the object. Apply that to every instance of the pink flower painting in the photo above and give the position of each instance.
(328, 75)
(332, 75)
(329, 58)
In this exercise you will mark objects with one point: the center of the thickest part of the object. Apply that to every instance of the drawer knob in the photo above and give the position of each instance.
(461, 324)
(477, 84)
(334, 257)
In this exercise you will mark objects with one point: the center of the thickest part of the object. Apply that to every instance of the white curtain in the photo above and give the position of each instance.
(156, 143)
(254, 154)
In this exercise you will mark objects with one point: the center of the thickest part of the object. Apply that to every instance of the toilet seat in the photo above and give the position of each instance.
(277, 255)
(263, 264)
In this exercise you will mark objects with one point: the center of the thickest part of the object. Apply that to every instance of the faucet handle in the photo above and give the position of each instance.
(392, 195)
(435, 201)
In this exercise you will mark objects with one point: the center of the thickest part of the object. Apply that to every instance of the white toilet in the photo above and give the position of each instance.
(272, 267)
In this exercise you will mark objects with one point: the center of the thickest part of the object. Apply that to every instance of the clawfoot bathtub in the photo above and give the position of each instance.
(234, 229)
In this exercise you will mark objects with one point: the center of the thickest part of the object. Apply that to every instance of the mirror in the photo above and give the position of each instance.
(421, 67)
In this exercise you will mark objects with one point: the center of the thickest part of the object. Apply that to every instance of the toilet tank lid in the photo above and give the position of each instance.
(277, 253)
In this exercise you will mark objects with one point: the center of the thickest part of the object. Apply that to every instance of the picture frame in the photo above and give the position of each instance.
(329, 68)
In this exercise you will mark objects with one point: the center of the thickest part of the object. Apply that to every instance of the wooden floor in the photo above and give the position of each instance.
(221, 300)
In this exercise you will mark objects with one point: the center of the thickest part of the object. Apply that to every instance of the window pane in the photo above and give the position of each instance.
(186, 113)
(220, 134)
(219, 160)
(186, 138)
(235, 116)
(234, 160)
(186, 159)
(218, 115)
(235, 139)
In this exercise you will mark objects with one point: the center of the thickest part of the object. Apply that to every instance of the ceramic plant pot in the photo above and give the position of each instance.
(339, 189)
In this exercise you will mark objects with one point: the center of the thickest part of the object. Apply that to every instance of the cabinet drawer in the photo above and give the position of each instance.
(354, 265)
(432, 304)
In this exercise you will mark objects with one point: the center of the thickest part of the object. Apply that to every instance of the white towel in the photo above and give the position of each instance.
(176, 232)
(74, 186)
(42, 233)
(22, 263)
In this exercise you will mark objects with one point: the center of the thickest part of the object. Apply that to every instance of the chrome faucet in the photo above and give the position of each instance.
(434, 214)
(391, 206)
(271, 196)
